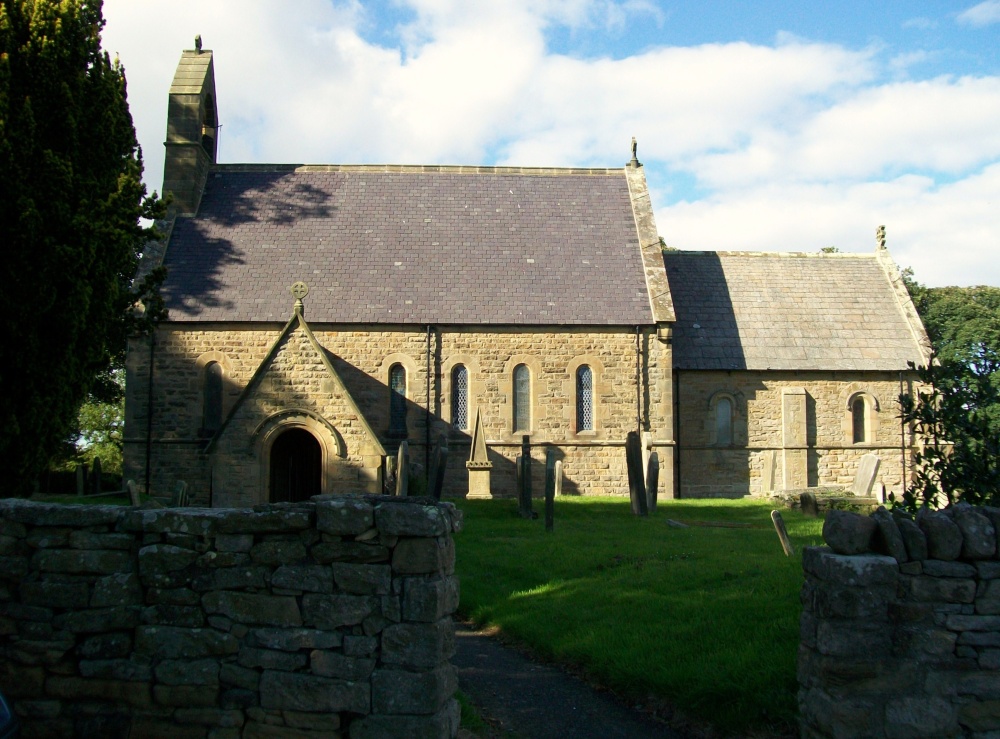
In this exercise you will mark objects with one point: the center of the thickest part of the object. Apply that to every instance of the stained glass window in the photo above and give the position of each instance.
(584, 398)
(212, 410)
(522, 398)
(724, 422)
(460, 397)
(397, 399)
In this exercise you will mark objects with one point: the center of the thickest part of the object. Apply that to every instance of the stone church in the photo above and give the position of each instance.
(319, 315)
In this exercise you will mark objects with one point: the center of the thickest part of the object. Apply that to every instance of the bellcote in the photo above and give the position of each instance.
(192, 130)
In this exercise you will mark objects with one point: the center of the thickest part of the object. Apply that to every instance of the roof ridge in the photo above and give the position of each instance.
(419, 168)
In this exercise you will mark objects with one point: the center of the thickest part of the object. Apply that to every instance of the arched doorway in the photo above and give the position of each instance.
(296, 466)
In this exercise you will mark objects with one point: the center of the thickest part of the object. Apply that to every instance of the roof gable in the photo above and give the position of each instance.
(411, 245)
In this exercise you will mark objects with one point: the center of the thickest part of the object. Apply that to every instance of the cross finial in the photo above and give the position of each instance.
(880, 237)
(299, 290)
(635, 160)
(197, 43)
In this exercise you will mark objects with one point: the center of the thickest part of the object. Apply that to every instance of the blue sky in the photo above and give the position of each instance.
(765, 126)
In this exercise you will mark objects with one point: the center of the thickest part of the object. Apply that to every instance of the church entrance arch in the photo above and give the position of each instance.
(296, 466)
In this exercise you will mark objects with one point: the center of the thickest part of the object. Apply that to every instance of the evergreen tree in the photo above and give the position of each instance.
(71, 199)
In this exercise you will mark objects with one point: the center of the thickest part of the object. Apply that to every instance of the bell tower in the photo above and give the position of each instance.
(192, 130)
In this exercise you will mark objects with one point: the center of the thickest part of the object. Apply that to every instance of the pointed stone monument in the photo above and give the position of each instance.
(479, 465)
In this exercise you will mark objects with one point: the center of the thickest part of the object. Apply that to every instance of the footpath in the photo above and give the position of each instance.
(524, 699)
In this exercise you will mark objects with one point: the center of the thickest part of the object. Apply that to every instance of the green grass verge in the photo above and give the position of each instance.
(705, 618)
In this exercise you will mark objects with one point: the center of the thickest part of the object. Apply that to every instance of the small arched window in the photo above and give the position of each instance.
(460, 397)
(522, 398)
(211, 414)
(723, 422)
(859, 421)
(397, 399)
(584, 398)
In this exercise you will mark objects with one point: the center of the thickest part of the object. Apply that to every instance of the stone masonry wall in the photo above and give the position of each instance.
(708, 469)
(363, 358)
(320, 619)
(900, 629)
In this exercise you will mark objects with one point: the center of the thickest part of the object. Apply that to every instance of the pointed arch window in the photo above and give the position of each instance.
(522, 398)
(460, 397)
(211, 414)
(584, 398)
(397, 399)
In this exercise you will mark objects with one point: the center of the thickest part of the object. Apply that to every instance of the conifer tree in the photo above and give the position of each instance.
(71, 199)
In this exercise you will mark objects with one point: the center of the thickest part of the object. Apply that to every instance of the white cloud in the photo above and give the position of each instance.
(949, 234)
(797, 145)
(984, 14)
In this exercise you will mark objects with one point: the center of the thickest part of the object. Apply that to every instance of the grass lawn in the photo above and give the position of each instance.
(704, 617)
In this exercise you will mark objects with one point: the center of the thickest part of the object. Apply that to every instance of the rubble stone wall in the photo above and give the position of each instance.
(900, 629)
(326, 618)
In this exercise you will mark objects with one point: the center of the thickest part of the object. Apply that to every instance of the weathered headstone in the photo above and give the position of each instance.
(779, 526)
(550, 488)
(633, 463)
(652, 481)
(96, 477)
(403, 470)
(439, 463)
(767, 475)
(647, 449)
(810, 506)
(559, 477)
(524, 482)
(133, 493)
(81, 479)
(865, 478)
(180, 497)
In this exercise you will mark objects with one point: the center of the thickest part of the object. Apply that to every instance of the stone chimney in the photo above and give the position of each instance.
(192, 130)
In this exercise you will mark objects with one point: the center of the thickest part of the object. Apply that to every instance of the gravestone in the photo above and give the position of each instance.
(524, 478)
(636, 478)
(96, 477)
(779, 527)
(767, 475)
(865, 478)
(559, 478)
(403, 470)
(647, 449)
(180, 497)
(439, 462)
(652, 481)
(479, 465)
(133, 493)
(550, 488)
(810, 507)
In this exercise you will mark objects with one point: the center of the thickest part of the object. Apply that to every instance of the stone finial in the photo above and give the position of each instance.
(880, 237)
(299, 290)
(197, 43)
(634, 161)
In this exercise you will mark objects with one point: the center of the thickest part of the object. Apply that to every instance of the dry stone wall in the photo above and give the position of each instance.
(320, 619)
(900, 628)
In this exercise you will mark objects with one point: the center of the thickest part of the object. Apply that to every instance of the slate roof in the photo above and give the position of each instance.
(441, 245)
(752, 310)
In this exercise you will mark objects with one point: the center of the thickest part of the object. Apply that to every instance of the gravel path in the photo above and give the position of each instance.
(527, 700)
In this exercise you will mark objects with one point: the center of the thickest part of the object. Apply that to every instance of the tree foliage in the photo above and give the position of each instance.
(71, 199)
(958, 416)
